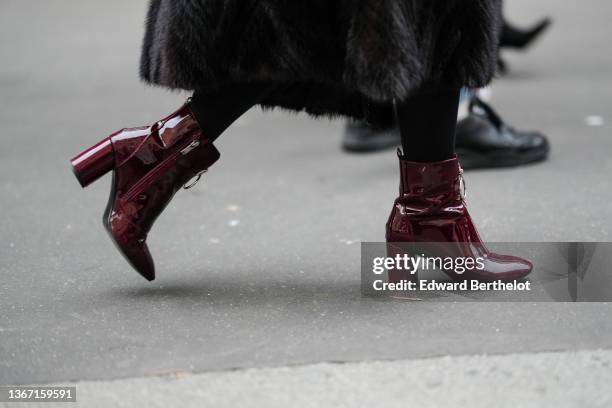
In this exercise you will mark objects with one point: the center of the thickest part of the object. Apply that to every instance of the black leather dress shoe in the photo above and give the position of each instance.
(485, 141)
(361, 137)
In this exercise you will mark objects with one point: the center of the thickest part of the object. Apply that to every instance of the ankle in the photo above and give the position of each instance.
(427, 157)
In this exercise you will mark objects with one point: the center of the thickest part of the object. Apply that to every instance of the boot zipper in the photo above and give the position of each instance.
(159, 169)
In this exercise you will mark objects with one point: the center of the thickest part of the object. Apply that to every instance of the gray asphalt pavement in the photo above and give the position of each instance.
(259, 265)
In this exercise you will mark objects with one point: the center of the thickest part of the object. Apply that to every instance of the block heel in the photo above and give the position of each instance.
(93, 163)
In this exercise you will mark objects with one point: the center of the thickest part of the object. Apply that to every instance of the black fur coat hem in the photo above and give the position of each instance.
(328, 57)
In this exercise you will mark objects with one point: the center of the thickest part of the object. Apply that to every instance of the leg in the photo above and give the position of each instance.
(427, 125)
(216, 111)
(431, 207)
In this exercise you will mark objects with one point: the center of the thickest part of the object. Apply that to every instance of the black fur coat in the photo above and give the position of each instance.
(349, 57)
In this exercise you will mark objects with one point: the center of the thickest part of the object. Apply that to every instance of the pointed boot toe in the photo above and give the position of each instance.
(142, 262)
(139, 257)
(502, 267)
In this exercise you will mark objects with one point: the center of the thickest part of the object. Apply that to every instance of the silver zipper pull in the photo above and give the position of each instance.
(462, 183)
(190, 147)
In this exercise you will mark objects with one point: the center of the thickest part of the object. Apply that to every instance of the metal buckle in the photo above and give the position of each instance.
(462, 184)
(194, 182)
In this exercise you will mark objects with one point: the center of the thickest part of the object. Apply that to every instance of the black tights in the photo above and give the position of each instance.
(427, 124)
(427, 120)
(216, 111)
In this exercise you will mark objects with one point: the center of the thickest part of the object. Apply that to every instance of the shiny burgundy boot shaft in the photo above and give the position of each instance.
(431, 209)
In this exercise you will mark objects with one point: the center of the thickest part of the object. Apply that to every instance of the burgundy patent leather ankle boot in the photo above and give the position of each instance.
(150, 165)
(431, 209)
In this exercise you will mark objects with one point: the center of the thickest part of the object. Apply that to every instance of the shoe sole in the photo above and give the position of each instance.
(473, 160)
